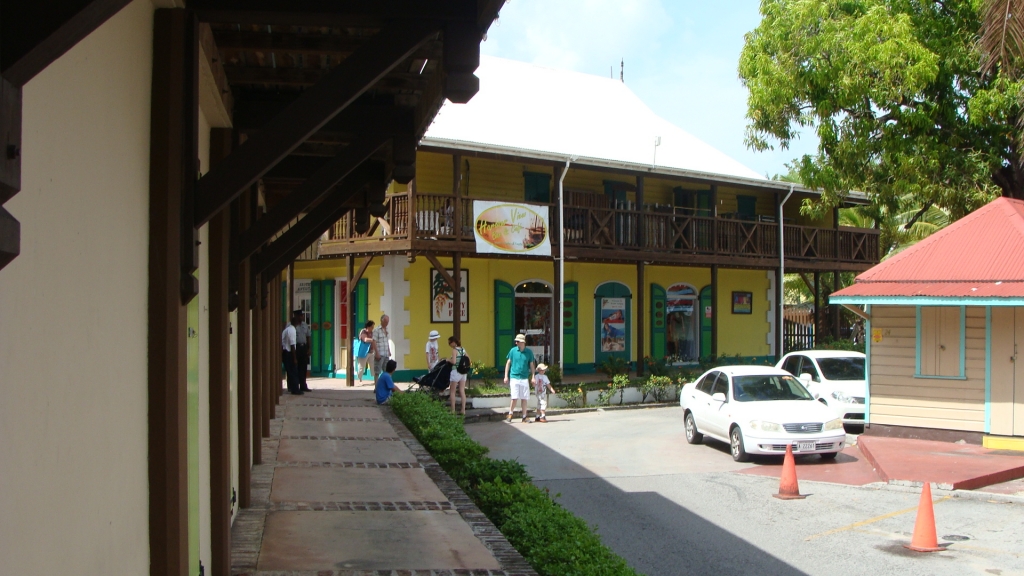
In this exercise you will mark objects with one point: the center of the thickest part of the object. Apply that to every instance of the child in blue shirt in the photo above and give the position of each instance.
(385, 384)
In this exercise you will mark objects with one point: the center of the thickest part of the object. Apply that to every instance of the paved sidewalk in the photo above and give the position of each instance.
(345, 489)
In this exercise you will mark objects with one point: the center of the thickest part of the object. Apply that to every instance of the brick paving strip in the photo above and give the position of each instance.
(248, 529)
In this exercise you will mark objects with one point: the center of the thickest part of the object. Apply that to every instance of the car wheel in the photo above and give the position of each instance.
(829, 455)
(736, 445)
(692, 435)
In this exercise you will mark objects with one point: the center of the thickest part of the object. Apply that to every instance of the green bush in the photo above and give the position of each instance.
(841, 344)
(550, 538)
(483, 372)
(574, 396)
(612, 366)
(554, 374)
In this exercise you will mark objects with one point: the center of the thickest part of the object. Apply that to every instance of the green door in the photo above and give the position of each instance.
(570, 337)
(361, 303)
(538, 187)
(704, 203)
(746, 207)
(326, 365)
(316, 304)
(504, 321)
(657, 322)
(192, 416)
(705, 321)
(612, 322)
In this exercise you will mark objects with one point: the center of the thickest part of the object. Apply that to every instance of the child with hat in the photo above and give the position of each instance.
(541, 385)
(433, 356)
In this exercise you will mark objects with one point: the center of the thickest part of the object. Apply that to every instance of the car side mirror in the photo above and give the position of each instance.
(805, 377)
(822, 400)
(718, 397)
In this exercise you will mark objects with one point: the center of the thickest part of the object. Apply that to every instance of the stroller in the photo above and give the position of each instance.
(436, 381)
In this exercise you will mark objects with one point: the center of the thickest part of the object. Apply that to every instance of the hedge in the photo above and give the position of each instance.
(553, 540)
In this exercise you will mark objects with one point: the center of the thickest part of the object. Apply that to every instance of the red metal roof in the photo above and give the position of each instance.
(980, 255)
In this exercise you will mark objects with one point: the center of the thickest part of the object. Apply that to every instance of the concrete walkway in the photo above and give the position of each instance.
(345, 489)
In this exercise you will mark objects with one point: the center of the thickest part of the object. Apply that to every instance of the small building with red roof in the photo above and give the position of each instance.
(945, 320)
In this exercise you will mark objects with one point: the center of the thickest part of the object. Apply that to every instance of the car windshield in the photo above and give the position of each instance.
(848, 368)
(765, 387)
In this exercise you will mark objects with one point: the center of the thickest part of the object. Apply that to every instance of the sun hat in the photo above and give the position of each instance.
(521, 338)
(434, 335)
(542, 367)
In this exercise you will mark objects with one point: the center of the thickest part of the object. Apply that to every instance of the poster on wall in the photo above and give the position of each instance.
(442, 298)
(504, 228)
(742, 302)
(613, 324)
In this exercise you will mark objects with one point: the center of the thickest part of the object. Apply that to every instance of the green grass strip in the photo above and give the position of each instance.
(553, 540)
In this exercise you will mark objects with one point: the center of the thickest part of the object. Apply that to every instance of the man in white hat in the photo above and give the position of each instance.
(433, 356)
(520, 368)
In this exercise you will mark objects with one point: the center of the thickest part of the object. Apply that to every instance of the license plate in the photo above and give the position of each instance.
(805, 446)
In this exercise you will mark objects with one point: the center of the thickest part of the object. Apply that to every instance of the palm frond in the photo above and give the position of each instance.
(1001, 38)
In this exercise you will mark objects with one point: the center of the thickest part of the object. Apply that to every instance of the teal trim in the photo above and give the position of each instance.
(867, 366)
(926, 301)
(988, 369)
(963, 349)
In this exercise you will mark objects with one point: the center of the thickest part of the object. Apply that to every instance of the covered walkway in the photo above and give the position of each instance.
(344, 488)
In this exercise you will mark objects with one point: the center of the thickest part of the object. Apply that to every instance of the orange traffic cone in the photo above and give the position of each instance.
(924, 539)
(789, 489)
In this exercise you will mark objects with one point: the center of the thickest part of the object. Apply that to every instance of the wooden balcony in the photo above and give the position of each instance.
(443, 224)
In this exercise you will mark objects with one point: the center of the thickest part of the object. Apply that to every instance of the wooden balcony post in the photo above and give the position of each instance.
(244, 407)
(413, 224)
(457, 291)
(641, 235)
(835, 231)
(256, 382)
(714, 248)
(457, 192)
(836, 285)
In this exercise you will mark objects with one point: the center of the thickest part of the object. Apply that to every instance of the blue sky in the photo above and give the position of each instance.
(680, 58)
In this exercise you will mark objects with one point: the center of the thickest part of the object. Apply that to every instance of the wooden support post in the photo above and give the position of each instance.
(817, 307)
(171, 172)
(220, 395)
(290, 290)
(640, 313)
(349, 353)
(243, 368)
(836, 310)
(714, 308)
(440, 269)
(278, 327)
(256, 380)
(457, 193)
(271, 357)
(457, 291)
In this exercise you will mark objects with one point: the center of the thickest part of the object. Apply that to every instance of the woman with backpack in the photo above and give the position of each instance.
(460, 369)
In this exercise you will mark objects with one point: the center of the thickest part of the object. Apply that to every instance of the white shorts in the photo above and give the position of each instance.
(520, 388)
(456, 377)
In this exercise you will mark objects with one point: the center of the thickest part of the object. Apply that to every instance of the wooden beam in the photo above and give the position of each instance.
(10, 140)
(215, 94)
(362, 269)
(836, 285)
(352, 13)
(817, 305)
(715, 309)
(457, 193)
(258, 363)
(308, 113)
(441, 270)
(807, 281)
(254, 110)
(290, 244)
(170, 168)
(457, 293)
(350, 282)
(311, 191)
(35, 34)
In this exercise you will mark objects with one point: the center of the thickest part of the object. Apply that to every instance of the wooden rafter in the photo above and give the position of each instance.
(307, 114)
(441, 270)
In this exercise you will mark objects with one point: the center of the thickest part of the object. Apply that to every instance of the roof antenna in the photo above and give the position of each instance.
(657, 142)
(611, 72)
(622, 70)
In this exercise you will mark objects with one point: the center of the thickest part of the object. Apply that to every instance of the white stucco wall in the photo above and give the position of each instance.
(73, 307)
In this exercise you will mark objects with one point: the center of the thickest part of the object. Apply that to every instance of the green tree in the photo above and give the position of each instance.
(893, 90)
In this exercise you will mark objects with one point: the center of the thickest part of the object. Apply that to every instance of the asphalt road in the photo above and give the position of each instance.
(671, 508)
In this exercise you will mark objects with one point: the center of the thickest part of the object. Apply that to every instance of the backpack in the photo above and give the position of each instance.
(463, 366)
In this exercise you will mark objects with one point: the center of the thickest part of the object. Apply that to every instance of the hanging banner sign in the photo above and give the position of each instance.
(504, 228)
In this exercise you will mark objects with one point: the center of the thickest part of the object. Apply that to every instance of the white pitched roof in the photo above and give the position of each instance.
(541, 112)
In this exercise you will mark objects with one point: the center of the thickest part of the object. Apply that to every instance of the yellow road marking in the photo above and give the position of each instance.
(868, 521)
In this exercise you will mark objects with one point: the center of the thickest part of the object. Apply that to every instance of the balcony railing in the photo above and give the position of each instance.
(654, 229)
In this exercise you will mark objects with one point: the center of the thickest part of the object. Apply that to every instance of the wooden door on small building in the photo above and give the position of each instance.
(612, 322)
(1007, 362)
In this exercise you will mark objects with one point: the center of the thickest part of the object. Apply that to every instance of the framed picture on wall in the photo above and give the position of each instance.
(442, 298)
(742, 302)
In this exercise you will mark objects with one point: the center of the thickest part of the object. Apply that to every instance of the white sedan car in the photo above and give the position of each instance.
(835, 377)
(759, 410)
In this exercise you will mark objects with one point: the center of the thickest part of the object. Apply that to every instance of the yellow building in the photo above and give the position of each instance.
(674, 260)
